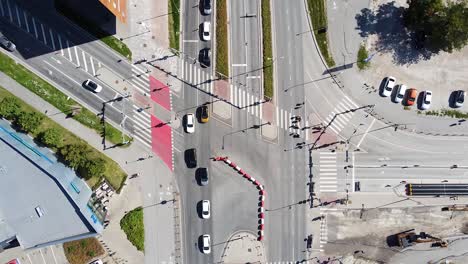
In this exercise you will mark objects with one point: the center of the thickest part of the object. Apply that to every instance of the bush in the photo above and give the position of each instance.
(222, 47)
(51, 138)
(362, 55)
(75, 155)
(174, 23)
(82, 251)
(132, 225)
(92, 168)
(9, 108)
(29, 121)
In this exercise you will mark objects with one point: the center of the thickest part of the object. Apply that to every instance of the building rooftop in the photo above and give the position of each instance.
(42, 202)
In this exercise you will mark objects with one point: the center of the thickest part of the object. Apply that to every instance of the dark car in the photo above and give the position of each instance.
(205, 57)
(7, 44)
(206, 7)
(191, 158)
(204, 114)
(458, 98)
(202, 175)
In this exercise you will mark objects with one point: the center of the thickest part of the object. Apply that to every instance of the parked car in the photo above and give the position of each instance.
(205, 212)
(97, 261)
(206, 244)
(389, 84)
(7, 44)
(400, 93)
(204, 57)
(191, 158)
(205, 116)
(206, 7)
(458, 98)
(91, 85)
(411, 97)
(189, 123)
(427, 99)
(202, 175)
(206, 35)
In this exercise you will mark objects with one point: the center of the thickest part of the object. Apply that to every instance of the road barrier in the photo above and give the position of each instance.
(260, 187)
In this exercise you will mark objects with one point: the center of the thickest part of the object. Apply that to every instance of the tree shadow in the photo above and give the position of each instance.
(393, 36)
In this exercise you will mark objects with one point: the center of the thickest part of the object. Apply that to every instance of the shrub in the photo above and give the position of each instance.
(51, 138)
(9, 107)
(29, 121)
(75, 155)
(92, 168)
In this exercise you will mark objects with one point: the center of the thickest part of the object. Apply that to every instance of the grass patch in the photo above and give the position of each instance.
(82, 251)
(132, 225)
(318, 16)
(361, 56)
(222, 47)
(112, 173)
(111, 41)
(58, 99)
(267, 50)
(447, 112)
(174, 23)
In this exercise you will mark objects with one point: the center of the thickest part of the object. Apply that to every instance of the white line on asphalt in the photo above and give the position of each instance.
(142, 141)
(43, 34)
(26, 20)
(328, 169)
(99, 65)
(17, 15)
(327, 157)
(239, 65)
(176, 149)
(352, 171)
(327, 165)
(327, 178)
(353, 103)
(76, 56)
(28, 254)
(92, 66)
(328, 182)
(277, 115)
(34, 26)
(327, 153)
(331, 190)
(253, 77)
(84, 61)
(365, 133)
(46, 62)
(281, 118)
(231, 93)
(53, 254)
(190, 40)
(52, 38)
(328, 161)
(328, 174)
(69, 51)
(190, 73)
(9, 11)
(42, 255)
(1, 9)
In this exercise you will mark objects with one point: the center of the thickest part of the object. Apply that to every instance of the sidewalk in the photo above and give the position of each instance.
(243, 247)
(131, 195)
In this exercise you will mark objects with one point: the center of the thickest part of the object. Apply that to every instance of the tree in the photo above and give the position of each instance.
(29, 121)
(439, 26)
(51, 137)
(75, 154)
(9, 107)
(92, 167)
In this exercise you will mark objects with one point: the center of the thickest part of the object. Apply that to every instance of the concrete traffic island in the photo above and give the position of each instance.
(243, 247)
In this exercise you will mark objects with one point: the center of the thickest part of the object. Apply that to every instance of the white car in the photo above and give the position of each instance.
(206, 35)
(427, 99)
(91, 85)
(206, 244)
(205, 209)
(400, 93)
(190, 123)
(389, 84)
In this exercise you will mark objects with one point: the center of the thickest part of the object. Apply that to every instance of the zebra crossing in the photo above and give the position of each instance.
(328, 172)
(341, 114)
(323, 230)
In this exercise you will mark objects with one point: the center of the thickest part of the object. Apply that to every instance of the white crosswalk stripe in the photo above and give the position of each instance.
(341, 115)
(328, 172)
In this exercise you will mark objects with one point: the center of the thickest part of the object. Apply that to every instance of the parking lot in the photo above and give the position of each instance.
(48, 255)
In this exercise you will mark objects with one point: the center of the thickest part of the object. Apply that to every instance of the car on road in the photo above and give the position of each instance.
(388, 87)
(191, 158)
(426, 100)
(190, 123)
(400, 93)
(7, 44)
(206, 7)
(206, 35)
(205, 212)
(92, 86)
(458, 98)
(97, 261)
(202, 176)
(204, 57)
(206, 244)
(411, 97)
(204, 114)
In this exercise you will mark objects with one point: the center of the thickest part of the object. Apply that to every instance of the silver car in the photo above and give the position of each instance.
(7, 44)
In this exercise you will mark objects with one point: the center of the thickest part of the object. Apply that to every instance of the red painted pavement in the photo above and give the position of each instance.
(161, 138)
(160, 93)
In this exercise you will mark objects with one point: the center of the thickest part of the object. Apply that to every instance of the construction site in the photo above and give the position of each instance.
(422, 234)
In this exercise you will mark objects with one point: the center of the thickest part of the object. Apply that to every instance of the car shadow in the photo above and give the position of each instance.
(382, 86)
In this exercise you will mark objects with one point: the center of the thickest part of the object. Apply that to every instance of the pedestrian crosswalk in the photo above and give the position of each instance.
(341, 115)
(323, 229)
(328, 172)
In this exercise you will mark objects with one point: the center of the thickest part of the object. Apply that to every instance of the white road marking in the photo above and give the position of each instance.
(190, 40)
(76, 56)
(71, 79)
(53, 254)
(43, 34)
(239, 65)
(42, 255)
(26, 20)
(17, 16)
(1, 10)
(52, 38)
(34, 26)
(352, 171)
(84, 61)
(92, 66)
(365, 133)
(9, 11)
(69, 51)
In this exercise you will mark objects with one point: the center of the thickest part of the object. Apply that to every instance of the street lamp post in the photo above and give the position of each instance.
(243, 131)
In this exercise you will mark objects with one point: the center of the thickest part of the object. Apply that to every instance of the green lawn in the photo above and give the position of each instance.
(82, 251)
(111, 41)
(174, 23)
(222, 47)
(447, 112)
(113, 173)
(362, 55)
(318, 16)
(58, 99)
(132, 225)
(267, 50)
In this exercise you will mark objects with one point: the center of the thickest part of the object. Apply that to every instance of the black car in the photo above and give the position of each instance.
(191, 158)
(458, 98)
(202, 175)
(7, 44)
(205, 57)
(206, 7)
